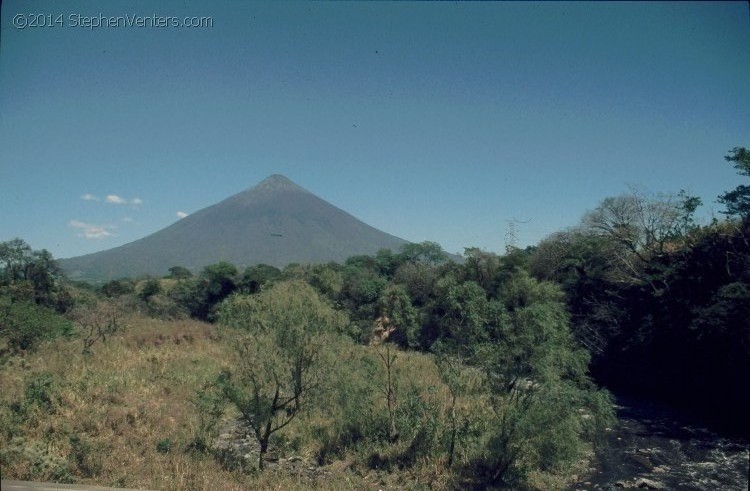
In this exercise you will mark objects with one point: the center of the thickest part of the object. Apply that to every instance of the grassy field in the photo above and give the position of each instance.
(125, 415)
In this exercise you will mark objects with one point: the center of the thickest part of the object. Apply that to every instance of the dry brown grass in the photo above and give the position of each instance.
(129, 394)
(113, 407)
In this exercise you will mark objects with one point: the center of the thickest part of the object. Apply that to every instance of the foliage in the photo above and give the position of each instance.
(353, 419)
(255, 277)
(179, 273)
(23, 325)
(689, 342)
(85, 456)
(189, 295)
(398, 317)
(39, 392)
(281, 345)
(209, 404)
(164, 446)
(737, 201)
(538, 379)
(328, 279)
(149, 288)
(640, 227)
(429, 253)
(28, 275)
(116, 288)
(659, 301)
(218, 281)
(199, 296)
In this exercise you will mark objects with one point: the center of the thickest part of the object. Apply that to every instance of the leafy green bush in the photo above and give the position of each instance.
(38, 391)
(209, 404)
(85, 456)
(163, 307)
(41, 463)
(23, 325)
(164, 446)
(149, 288)
(546, 406)
(281, 335)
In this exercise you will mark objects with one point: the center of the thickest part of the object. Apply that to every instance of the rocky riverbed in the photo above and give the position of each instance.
(237, 448)
(654, 447)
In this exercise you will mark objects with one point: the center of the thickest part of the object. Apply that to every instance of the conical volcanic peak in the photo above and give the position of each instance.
(272, 189)
(276, 222)
(277, 182)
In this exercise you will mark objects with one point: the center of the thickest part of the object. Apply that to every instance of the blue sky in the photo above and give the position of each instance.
(430, 121)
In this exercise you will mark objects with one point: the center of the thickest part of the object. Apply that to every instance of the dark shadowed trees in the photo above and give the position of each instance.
(737, 201)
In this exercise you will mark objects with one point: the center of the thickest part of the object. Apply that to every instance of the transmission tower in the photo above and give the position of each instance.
(510, 236)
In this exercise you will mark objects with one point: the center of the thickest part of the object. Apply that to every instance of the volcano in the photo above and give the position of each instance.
(276, 222)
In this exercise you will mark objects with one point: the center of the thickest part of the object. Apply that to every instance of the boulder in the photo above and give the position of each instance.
(644, 483)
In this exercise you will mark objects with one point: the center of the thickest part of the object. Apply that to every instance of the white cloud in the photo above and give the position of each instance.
(181, 214)
(89, 197)
(90, 231)
(114, 199)
(136, 201)
(127, 219)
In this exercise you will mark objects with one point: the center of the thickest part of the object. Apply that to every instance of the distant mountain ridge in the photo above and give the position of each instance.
(276, 222)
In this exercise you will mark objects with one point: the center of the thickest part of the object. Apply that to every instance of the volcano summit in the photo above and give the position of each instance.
(276, 222)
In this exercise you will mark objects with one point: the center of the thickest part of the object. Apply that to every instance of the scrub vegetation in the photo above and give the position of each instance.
(401, 370)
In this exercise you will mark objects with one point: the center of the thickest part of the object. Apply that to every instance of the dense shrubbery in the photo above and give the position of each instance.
(513, 341)
(661, 303)
(25, 324)
(31, 298)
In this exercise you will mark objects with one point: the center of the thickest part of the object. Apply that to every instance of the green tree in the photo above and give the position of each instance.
(190, 295)
(482, 267)
(14, 255)
(387, 262)
(200, 295)
(584, 264)
(398, 317)
(328, 279)
(426, 252)
(219, 281)
(281, 335)
(463, 313)
(24, 324)
(179, 273)
(116, 288)
(150, 288)
(255, 277)
(28, 274)
(418, 279)
(737, 201)
(547, 408)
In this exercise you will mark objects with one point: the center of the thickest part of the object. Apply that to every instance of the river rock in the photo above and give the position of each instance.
(642, 482)
(643, 460)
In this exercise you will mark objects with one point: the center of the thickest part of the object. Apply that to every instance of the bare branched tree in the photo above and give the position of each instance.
(97, 322)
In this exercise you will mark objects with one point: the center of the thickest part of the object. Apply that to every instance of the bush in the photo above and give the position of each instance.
(23, 325)
(37, 461)
(38, 391)
(163, 307)
(164, 446)
(150, 287)
(85, 456)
